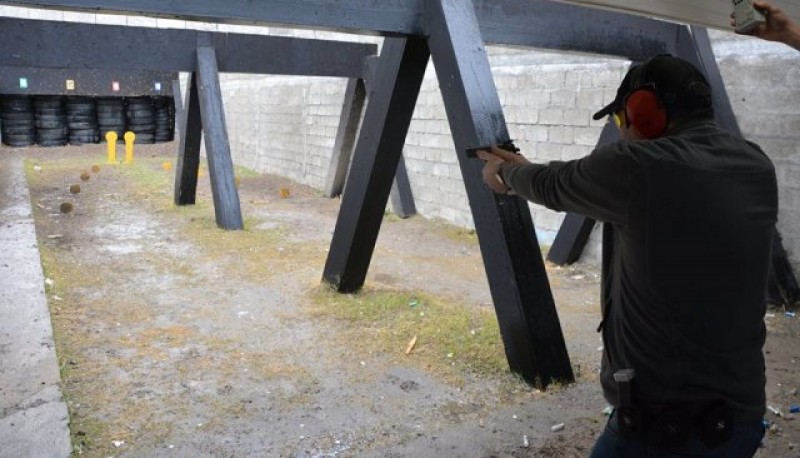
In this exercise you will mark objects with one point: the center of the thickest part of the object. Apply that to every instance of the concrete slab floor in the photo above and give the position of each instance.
(33, 414)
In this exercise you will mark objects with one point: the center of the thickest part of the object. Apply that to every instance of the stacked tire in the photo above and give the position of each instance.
(50, 120)
(82, 120)
(165, 118)
(111, 116)
(141, 119)
(18, 127)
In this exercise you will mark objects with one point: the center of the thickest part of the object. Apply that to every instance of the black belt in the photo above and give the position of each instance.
(671, 426)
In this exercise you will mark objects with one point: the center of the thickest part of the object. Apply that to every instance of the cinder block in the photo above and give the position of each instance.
(551, 116)
(546, 152)
(563, 97)
(587, 136)
(577, 116)
(592, 99)
(533, 133)
(564, 135)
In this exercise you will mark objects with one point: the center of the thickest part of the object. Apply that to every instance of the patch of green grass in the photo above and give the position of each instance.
(452, 340)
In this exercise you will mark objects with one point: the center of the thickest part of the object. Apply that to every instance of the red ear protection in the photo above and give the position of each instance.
(644, 111)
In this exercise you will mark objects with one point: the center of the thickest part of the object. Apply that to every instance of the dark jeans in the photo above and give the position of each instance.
(743, 444)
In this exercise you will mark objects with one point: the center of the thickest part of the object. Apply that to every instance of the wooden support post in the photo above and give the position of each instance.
(393, 96)
(346, 135)
(177, 96)
(526, 312)
(401, 197)
(218, 150)
(575, 230)
(695, 46)
(188, 163)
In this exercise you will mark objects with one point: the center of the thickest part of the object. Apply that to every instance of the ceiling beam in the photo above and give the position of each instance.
(93, 82)
(531, 23)
(53, 44)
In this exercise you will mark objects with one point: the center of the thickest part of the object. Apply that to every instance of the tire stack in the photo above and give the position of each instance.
(82, 120)
(165, 118)
(141, 117)
(51, 120)
(18, 128)
(111, 116)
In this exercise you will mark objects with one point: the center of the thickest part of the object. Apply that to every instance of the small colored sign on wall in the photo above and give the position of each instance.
(23, 83)
(70, 85)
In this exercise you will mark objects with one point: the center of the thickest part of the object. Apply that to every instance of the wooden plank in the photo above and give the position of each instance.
(218, 151)
(177, 95)
(53, 44)
(535, 23)
(529, 324)
(380, 145)
(190, 126)
(702, 54)
(87, 82)
(349, 122)
(401, 197)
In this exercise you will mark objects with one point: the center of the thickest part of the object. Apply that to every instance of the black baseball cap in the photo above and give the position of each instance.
(678, 84)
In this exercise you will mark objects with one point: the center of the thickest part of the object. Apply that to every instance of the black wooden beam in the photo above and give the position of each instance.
(218, 151)
(695, 46)
(349, 122)
(177, 95)
(523, 301)
(52, 44)
(190, 126)
(388, 115)
(86, 82)
(535, 23)
(402, 199)
(575, 230)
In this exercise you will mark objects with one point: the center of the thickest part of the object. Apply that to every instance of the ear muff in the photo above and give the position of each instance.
(644, 111)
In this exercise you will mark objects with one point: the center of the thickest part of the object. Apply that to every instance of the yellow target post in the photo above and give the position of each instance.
(111, 140)
(129, 139)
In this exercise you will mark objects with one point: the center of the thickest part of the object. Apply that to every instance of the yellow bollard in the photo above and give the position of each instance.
(129, 139)
(111, 139)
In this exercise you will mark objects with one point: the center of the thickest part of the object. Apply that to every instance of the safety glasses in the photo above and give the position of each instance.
(618, 118)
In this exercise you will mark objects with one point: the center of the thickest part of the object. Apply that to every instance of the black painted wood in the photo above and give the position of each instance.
(529, 324)
(218, 151)
(52, 44)
(392, 98)
(349, 122)
(575, 230)
(694, 45)
(87, 82)
(177, 94)
(534, 23)
(188, 164)
(402, 199)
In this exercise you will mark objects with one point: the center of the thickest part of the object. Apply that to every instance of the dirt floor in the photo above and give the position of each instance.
(176, 338)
